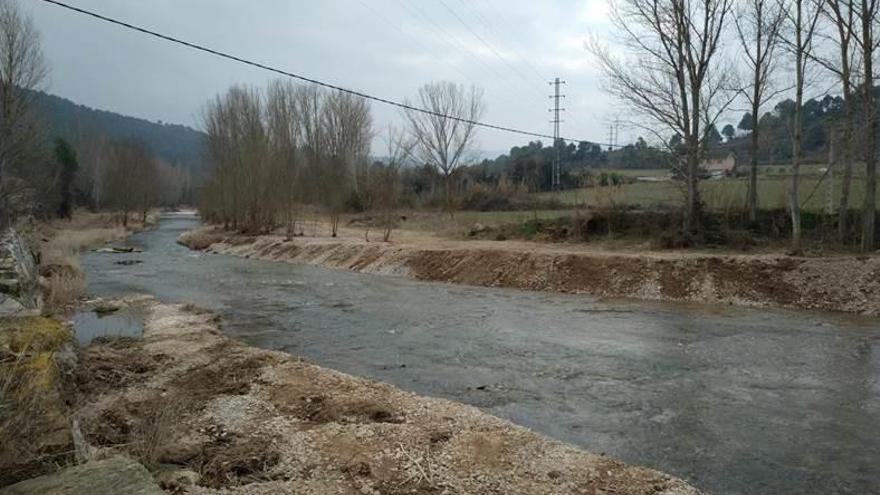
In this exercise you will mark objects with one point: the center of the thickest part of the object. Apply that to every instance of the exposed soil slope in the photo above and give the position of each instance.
(839, 283)
(241, 420)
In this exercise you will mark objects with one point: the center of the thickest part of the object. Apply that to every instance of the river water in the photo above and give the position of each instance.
(734, 400)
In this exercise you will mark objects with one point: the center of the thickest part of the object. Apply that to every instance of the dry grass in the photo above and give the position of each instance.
(63, 289)
(151, 434)
(59, 244)
(31, 410)
(718, 194)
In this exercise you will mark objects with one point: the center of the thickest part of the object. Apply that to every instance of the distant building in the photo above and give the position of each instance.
(718, 166)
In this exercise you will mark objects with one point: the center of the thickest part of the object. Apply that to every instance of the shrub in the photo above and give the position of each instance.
(63, 289)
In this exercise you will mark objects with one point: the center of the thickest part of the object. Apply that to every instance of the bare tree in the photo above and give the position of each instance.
(22, 70)
(672, 74)
(346, 132)
(840, 14)
(283, 127)
(866, 39)
(446, 136)
(758, 24)
(387, 180)
(277, 149)
(238, 149)
(802, 16)
(130, 180)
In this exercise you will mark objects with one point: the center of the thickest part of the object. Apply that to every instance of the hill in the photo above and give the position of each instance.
(177, 144)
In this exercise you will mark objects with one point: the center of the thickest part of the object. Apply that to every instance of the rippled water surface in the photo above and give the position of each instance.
(735, 400)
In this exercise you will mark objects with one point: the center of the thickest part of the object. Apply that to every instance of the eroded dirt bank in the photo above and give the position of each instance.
(234, 419)
(840, 283)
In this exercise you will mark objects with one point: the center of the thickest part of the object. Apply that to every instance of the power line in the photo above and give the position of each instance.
(369, 7)
(310, 80)
(486, 43)
(415, 10)
(490, 28)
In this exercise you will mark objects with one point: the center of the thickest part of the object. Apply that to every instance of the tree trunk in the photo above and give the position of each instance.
(795, 207)
(843, 212)
(870, 207)
(4, 209)
(793, 201)
(849, 126)
(334, 224)
(753, 168)
(389, 225)
(447, 191)
(692, 210)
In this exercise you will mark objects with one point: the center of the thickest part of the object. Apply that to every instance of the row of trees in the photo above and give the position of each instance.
(531, 165)
(823, 121)
(278, 150)
(272, 151)
(676, 72)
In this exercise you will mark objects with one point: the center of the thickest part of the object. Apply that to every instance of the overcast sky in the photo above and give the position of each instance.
(510, 48)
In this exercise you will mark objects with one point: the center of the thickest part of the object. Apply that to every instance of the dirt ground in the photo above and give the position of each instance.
(209, 415)
(835, 283)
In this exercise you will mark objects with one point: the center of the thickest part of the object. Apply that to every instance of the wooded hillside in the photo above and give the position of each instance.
(176, 144)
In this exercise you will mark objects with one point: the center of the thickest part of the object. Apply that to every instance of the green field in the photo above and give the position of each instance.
(462, 221)
(718, 194)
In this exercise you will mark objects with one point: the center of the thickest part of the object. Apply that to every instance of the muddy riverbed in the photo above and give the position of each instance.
(734, 400)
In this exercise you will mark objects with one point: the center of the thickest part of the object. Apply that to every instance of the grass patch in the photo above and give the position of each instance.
(661, 228)
(33, 424)
(717, 194)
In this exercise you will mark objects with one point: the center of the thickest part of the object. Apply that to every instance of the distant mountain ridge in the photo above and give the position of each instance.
(177, 144)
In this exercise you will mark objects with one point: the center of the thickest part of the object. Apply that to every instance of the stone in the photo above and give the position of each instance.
(128, 262)
(477, 228)
(10, 306)
(177, 480)
(18, 276)
(118, 250)
(113, 476)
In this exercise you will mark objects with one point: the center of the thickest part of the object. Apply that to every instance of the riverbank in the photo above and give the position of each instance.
(836, 283)
(42, 275)
(58, 244)
(207, 414)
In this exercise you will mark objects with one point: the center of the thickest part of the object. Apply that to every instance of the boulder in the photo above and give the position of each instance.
(477, 229)
(113, 476)
(19, 289)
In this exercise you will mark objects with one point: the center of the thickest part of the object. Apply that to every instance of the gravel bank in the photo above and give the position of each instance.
(839, 283)
(239, 420)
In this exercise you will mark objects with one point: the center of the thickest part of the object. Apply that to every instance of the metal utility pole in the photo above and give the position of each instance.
(555, 181)
(616, 133)
(613, 133)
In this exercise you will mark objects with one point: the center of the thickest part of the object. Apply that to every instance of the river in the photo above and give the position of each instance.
(737, 401)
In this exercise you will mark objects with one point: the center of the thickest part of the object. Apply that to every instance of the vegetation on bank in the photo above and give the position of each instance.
(59, 243)
(732, 231)
(33, 423)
